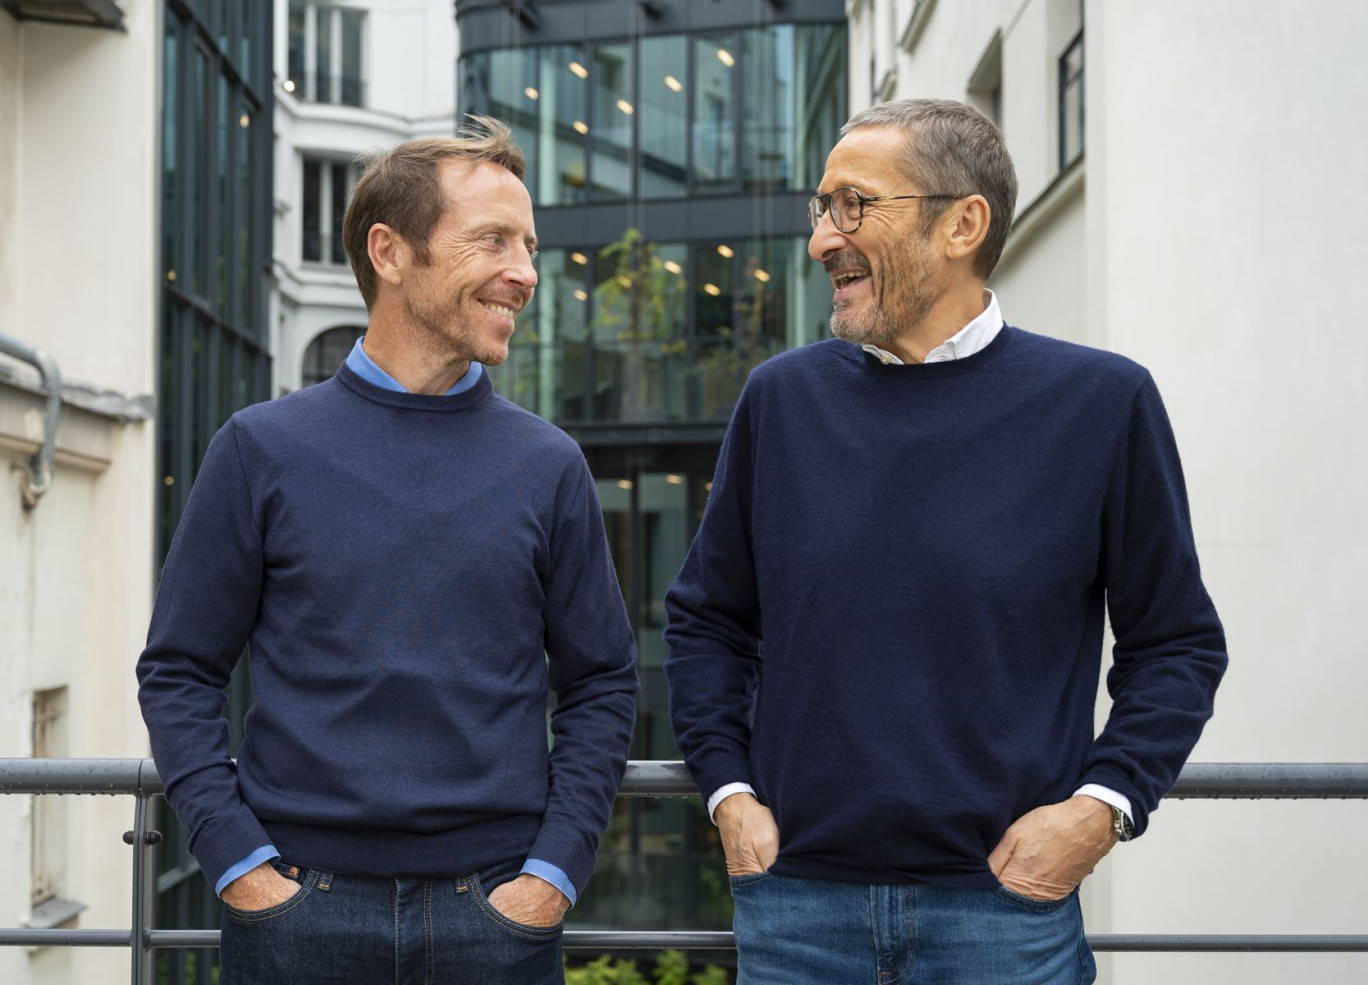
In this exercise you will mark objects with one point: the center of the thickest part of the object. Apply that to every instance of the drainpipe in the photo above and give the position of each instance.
(39, 472)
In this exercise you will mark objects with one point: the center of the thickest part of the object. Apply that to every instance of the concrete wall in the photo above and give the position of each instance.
(78, 125)
(1214, 232)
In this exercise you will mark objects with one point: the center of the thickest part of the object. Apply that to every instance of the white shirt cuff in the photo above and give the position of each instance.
(725, 791)
(1108, 796)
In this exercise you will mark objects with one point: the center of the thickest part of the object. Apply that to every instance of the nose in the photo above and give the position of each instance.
(826, 239)
(521, 273)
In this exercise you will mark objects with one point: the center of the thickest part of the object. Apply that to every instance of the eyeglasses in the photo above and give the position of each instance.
(847, 205)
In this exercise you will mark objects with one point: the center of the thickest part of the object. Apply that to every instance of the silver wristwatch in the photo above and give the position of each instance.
(1121, 824)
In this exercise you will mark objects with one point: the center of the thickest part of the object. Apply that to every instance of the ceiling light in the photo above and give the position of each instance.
(624, 483)
(725, 57)
(762, 276)
(625, 106)
(707, 487)
(531, 93)
(674, 83)
(579, 70)
(580, 126)
(674, 479)
(244, 121)
(673, 267)
(581, 296)
(712, 289)
(726, 251)
(579, 258)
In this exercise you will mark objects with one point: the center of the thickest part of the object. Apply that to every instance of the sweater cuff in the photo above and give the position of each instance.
(553, 874)
(563, 844)
(224, 841)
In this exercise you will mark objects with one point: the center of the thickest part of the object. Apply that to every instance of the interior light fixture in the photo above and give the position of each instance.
(579, 70)
(712, 289)
(707, 487)
(674, 84)
(673, 267)
(580, 295)
(624, 483)
(531, 93)
(674, 479)
(580, 126)
(289, 85)
(625, 106)
(726, 251)
(579, 258)
(726, 57)
(762, 276)
(244, 121)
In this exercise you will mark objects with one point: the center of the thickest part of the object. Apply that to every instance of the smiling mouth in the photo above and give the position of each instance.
(843, 280)
(500, 309)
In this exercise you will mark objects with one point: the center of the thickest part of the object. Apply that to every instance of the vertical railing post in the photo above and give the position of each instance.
(142, 964)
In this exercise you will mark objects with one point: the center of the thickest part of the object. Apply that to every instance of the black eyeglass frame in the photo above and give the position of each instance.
(824, 201)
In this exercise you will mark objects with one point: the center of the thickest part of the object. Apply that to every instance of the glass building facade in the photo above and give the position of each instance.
(672, 149)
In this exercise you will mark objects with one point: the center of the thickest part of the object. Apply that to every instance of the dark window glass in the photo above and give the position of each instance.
(714, 123)
(563, 177)
(770, 100)
(199, 149)
(339, 207)
(353, 88)
(327, 351)
(223, 246)
(295, 82)
(170, 154)
(313, 207)
(246, 25)
(663, 118)
(614, 111)
(244, 225)
(1071, 103)
(323, 54)
(819, 98)
(510, 93)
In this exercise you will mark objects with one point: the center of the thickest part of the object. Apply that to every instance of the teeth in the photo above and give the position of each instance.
(845, 279)
(499, 309)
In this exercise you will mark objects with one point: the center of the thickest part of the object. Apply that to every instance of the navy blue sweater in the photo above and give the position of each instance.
(412, 573)
(924, 552)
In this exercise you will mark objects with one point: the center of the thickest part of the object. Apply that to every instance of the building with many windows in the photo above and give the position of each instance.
(352, 77)
(672, 150)
(1192, 197)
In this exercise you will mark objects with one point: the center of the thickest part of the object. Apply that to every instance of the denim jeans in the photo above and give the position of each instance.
(350, 930)
(814, 932)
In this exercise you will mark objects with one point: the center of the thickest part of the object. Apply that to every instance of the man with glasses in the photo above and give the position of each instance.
(886, 638)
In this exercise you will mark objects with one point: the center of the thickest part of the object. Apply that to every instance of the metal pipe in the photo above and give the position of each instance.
(663, 778)
(40, 470)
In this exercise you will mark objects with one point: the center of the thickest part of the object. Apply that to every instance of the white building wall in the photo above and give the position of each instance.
(409, 53)
(1214, 232)
(78, 247)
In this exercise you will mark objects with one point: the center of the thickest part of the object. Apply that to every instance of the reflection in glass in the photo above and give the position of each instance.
(663, 140)
(564, 103)
(820, 100)
(295, 80)
(313, 218)
(545, 367)
(612, 121)
(714, 124)
(323, 47)
(770, 96)
(352, 87)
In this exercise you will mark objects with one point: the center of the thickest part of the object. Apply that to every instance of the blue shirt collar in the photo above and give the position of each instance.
(364, 366)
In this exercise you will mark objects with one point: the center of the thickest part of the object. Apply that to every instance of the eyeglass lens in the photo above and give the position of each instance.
(845, 209)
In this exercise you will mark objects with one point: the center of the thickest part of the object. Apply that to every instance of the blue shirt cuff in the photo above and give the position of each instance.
(552, 874)
(263, 854)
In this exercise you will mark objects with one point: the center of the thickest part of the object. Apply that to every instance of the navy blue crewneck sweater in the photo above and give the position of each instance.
(413, 573)
(925, 552)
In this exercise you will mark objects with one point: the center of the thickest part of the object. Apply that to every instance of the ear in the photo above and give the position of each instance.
(966, 227)
(389, 254)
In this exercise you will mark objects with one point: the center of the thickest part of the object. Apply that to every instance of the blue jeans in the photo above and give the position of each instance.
(814, 932)
(350, 930)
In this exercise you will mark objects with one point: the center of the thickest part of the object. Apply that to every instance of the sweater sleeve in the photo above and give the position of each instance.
(713, 630)
(592, 665)
(206, 606)
(1170, 650)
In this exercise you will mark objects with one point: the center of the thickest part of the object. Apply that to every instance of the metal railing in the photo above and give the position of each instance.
(138, 778)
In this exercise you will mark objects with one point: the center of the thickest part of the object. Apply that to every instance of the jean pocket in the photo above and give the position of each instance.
(522, 929)
(747, 879)
(307, 878)
(1032, 904)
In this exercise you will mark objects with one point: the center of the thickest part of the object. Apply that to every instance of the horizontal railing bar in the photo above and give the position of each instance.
(720, 940)
(664, 778)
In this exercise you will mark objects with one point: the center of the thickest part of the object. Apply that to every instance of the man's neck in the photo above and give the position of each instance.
(402, 352)
(955, 309)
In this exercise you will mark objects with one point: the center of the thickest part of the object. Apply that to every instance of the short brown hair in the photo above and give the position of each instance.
(402, 188)
(953, 150)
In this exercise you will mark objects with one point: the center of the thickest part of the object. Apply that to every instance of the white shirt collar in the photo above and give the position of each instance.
(970, 339)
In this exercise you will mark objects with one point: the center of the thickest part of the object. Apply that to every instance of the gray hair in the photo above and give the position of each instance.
(953, 150)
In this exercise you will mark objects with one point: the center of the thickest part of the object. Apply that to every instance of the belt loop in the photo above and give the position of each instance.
(324, 882)
(462, 884)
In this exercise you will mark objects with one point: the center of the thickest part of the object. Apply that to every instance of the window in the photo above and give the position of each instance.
(324, 54)
(985, 84)
(327, 190)
(327, 351)
(49, 813)
(1071, 131)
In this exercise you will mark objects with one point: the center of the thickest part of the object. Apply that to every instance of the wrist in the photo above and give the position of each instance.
(733, 806)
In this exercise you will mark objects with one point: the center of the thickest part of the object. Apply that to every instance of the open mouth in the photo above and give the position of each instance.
(500, 309)
(846, 283)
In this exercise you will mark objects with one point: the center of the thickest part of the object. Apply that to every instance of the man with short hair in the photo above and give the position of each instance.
(886, 638)
(416, 563)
